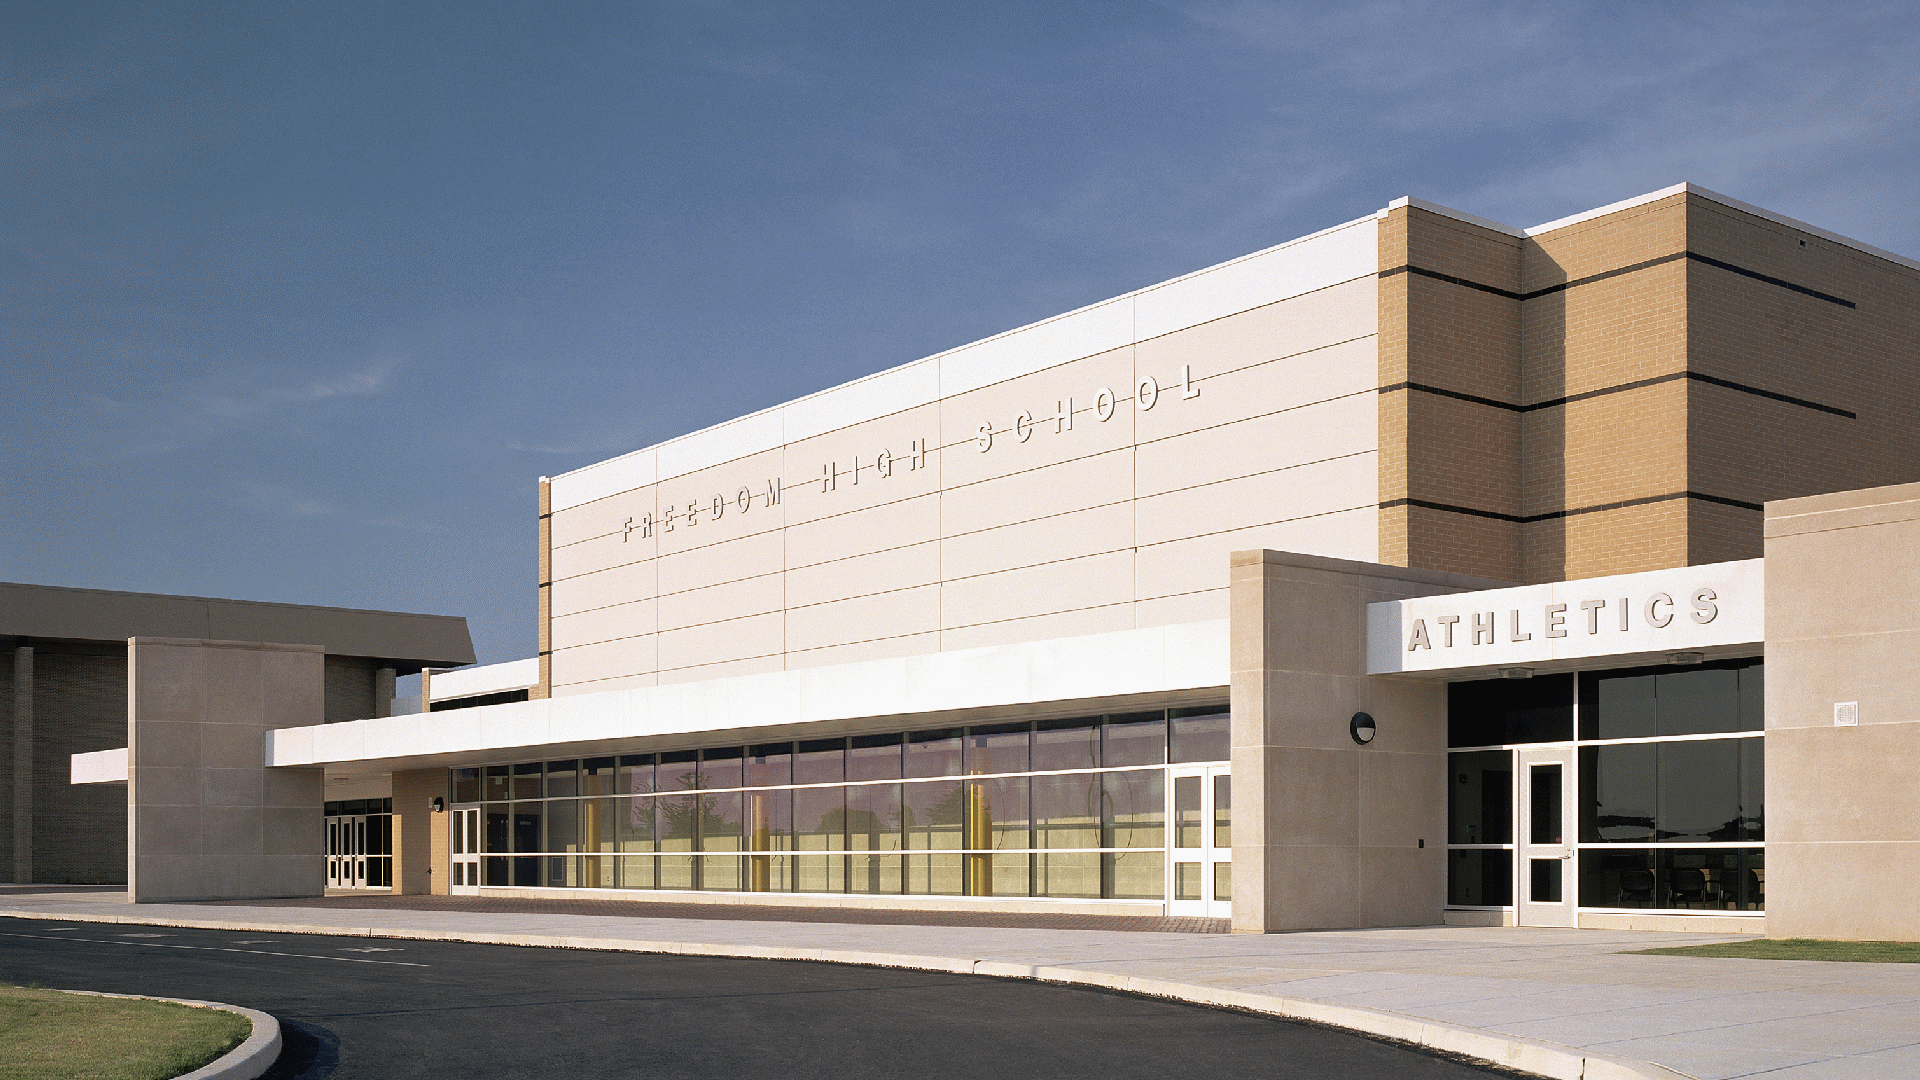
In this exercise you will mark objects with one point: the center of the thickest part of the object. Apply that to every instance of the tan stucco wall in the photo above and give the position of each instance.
(1335, 840)
(1843, 625)
(1122, 520)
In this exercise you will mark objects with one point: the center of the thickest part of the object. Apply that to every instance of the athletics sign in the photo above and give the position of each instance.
(1684, 609)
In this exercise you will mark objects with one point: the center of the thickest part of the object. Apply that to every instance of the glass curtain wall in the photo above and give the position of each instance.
(1669, 791)
(1072, 808)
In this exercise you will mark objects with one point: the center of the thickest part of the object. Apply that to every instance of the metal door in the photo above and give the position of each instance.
(1546, 881)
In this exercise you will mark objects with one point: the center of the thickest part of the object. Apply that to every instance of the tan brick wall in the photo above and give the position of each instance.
(420, 840)
(1681, 435)
(1440, 449)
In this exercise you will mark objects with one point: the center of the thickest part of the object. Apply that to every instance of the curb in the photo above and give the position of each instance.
(1539, 1057)
(255, 1054)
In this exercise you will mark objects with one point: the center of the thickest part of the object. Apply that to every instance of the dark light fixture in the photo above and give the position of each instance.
(437, 804)
(1361, 728)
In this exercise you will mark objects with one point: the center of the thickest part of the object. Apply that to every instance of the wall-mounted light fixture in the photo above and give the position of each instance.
(1516, 673)
(437, 804)
(1685, 657)
(1361, 728)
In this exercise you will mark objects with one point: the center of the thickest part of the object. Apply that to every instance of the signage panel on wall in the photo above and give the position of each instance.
(1682, 609)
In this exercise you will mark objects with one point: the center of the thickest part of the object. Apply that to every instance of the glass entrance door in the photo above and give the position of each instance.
(465, 847)
(347, 852)
(1545, 884)
(1200, 852)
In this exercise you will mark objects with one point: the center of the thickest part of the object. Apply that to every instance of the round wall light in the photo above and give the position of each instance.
(1362, 728)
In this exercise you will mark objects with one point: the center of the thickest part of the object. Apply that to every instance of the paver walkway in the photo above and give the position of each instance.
(1560, 1002)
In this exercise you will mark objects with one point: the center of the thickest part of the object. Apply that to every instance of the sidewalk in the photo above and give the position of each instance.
(1562, 1003)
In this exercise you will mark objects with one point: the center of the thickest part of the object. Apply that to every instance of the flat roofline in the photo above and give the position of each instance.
(1652, 197)
(64, 613)
(931, 357)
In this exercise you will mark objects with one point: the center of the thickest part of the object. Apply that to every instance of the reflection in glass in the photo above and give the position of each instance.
(769, 820)
(597, 776)
(1066, 811)
(1134, 739)
(1223, 812)
(1067, 874)
(822, 761)
(1186, 813)
(1544, 783)
(873, 819)
(1223, 881)
(676, 819)
(721, 873)
(1720, 879)
(874, 874)
(996, 750)
(997, 813)
(526, 827)
(820, 873)
(1697, 699)
(1480, 878)
(563, 779)
(933, 753)
(770, 765)
(1480, 797)
(1066, 744)
(1199, 735)
(1186, 881)
(1691, 792)
(934, 815)
(636, 872)
(677, 771)
(1134, 809)
(720, 767)
(1134, 875)
(1545, 880)
(636, 775)
(526, 781)
(820, 818)
(676, 871)
(633, 824)
(563, 827)
(466, 785)
(721, 821)
(934, 875)
(873, 757)
(499, 783)
(1494, 712)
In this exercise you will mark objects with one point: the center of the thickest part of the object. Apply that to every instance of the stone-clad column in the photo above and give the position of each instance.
(1328, 833)
(206, 818)
(1843, 717)
(23, 764)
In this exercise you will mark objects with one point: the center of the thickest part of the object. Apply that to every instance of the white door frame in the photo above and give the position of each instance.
(1545, 855)
(464, 875)
(346, 851)
(1199, 842)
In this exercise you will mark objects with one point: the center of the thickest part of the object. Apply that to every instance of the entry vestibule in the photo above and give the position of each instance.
(359, 844)
(1623, 790)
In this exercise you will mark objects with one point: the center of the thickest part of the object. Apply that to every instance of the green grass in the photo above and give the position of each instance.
(1858, 952)
(51, 1035)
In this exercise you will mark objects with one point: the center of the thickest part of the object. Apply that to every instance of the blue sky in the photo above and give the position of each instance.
(301, 298)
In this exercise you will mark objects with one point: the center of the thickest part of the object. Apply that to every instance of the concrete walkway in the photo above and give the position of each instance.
(1562, 1003)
